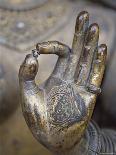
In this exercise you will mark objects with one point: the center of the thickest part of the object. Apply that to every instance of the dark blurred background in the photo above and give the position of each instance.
(23, 23)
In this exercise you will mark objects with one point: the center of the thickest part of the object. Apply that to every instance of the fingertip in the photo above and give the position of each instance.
(93, 32)
(82, 21)
(94, 28)
(35, 53)
(30, 60)
(102, 49)
(43, 47)
(29, 68)
(30, 57)
(102, 52)
(84, 15)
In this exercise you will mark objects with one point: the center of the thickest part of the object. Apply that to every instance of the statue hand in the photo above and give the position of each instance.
(59, 111)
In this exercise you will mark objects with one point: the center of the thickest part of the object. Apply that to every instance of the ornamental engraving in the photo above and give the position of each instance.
(64, 106)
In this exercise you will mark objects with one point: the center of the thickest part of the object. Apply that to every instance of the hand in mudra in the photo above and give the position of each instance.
(58, 111)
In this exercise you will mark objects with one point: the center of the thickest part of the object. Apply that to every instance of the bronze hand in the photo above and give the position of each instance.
(59, 111)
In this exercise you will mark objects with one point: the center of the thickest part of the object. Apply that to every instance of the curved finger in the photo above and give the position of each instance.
(97, 71)
(62, 50)
(81, 27)
(53, 47)
(90, 45)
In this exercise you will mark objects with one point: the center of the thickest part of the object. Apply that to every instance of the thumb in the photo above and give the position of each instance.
(29, 68)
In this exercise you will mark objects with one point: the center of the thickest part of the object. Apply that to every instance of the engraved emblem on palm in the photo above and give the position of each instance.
(65, 106)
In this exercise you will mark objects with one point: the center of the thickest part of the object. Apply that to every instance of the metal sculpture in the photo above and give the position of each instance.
(23, 23)
(59, 111)
(19, 31)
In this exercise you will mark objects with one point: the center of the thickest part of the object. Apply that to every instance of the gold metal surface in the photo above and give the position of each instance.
(58, 111)
(19, 31)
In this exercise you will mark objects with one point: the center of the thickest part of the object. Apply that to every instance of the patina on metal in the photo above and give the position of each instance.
(59, 111)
